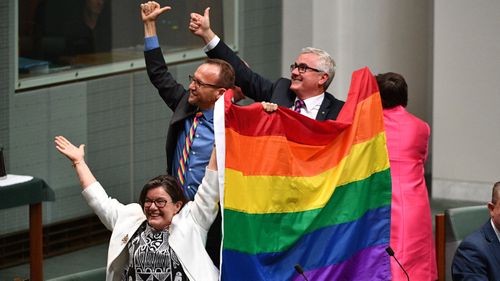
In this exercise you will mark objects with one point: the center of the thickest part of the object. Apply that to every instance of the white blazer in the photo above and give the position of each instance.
(188, 231)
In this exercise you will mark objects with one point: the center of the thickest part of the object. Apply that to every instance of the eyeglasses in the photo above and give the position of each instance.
(302, 68)
(199, 84)
(160, 203)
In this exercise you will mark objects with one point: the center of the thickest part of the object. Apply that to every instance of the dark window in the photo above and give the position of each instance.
(66, 35)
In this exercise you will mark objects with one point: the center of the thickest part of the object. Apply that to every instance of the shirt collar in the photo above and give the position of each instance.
(313, 101)
(497, 232)
(208, 114)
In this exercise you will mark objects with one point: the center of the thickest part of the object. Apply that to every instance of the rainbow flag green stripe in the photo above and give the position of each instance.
(350, 202)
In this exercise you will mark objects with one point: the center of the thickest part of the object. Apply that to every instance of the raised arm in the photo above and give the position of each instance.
(205, 206)
(105, 207)
(252, 84)
(77, 157)
(170, 91)
(150, 12)
(199, 25)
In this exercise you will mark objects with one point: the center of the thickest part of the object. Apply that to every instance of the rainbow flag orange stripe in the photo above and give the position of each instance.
(299, 191)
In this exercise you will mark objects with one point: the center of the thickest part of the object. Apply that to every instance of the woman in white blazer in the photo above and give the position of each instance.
(162, 237)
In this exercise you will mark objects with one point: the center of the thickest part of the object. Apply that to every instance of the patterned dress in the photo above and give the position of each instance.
(153, 259)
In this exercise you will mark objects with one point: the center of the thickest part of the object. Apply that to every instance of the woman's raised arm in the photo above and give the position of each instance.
(77, 157)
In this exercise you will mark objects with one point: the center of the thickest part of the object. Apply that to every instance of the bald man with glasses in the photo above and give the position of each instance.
(305, 91)
(190, 134)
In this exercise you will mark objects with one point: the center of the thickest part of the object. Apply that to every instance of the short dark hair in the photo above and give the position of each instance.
(393, 89)
(226, 74)
(495, 192)
(169, 184)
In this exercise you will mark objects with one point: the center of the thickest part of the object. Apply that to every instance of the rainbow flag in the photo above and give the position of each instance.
(299, 191)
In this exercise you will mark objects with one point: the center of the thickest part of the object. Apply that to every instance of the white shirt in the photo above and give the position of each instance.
(312, 106)
(211, 44)
(497, 232)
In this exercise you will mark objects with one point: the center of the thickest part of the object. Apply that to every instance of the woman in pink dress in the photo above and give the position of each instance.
(407, 143)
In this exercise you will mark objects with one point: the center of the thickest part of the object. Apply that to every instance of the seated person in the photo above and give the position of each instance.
(478, 256)
(162, 237)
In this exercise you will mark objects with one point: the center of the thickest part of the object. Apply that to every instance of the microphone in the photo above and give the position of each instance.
(390, 252)
(300, 271)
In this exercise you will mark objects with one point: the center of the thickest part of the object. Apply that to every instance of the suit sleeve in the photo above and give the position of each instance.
(170, 91)
(252, 84)
(469, 263)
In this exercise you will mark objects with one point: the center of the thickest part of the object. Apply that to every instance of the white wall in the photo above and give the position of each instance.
(466, 119)
(385, 35)
(297, 31)
(449, 53)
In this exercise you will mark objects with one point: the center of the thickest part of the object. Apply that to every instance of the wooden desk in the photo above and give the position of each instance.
(31, 193)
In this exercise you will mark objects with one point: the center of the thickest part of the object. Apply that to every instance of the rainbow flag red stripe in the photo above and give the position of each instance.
(299, 191)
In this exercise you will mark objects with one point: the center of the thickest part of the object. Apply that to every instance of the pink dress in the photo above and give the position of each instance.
(411, 222)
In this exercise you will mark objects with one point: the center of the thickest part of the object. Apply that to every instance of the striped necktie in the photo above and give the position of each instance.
(298, 105)
(181, 171)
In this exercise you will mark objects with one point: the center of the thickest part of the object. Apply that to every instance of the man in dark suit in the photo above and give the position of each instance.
(478, 256)
(207, 84)
(305, 92)
(191, 108)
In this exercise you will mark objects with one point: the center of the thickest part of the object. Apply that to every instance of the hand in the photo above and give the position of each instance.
(237, 94)
(269, 107)
(151, 10)
(74, 154)
(200, 25)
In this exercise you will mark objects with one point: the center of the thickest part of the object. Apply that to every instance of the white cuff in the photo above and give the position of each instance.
(211, 44)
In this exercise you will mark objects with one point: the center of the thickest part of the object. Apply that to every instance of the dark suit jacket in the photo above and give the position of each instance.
(173, 94)
(478, 256)
(260, 89)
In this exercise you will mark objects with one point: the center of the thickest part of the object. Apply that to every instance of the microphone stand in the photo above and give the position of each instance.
(391, 253)
(300, 271)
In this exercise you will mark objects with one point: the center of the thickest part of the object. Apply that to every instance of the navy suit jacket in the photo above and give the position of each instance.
(173, 94)
(260, 89)
(478, 256)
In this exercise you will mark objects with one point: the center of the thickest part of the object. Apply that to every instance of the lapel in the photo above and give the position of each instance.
(285, 100)
(122, 233)
(183, 110)
(493, 243)
(324, 108)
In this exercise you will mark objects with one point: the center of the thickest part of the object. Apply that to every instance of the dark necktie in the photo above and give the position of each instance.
(298, 105)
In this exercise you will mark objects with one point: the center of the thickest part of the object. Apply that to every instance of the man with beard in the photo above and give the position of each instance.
(191, 134)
